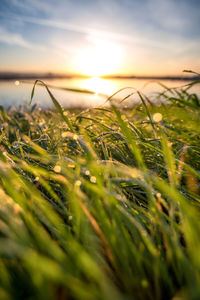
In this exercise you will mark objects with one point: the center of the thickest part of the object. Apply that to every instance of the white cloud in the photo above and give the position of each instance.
(16, 39)
(172, 15)
(157, 32)
(13, 39)
(31, 5)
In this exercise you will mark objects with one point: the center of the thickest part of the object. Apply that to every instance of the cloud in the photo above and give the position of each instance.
(172, 16)
(136, 38)
(16, 39)
(149, 31)
(149, 42)
(66, 26)
(29, 6)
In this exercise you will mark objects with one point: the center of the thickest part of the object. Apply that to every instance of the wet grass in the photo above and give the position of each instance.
(101, 203)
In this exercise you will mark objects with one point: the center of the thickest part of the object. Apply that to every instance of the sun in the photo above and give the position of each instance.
(100, 58)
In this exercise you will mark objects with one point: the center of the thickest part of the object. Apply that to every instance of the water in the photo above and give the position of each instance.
(16, 93)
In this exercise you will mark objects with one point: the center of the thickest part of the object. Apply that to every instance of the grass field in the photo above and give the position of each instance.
(102, 203)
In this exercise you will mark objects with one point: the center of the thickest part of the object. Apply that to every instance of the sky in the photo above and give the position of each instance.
(100, 37)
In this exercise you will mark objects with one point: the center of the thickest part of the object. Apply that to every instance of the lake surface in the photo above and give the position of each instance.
(16, 93)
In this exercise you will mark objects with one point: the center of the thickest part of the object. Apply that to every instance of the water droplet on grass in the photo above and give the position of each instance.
(78, 183)
(57, 169)
(93, 179)
(157, 117)
(87, 172)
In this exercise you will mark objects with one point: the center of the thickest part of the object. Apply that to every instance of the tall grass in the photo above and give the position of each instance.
(102, 203)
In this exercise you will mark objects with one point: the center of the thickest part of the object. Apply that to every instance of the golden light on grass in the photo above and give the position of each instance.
(101, 58)
(95, 220)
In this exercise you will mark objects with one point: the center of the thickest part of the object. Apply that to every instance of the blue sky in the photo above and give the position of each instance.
(132, 36)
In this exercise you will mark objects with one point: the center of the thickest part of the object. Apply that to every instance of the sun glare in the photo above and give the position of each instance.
(101, 58)
(96, 84)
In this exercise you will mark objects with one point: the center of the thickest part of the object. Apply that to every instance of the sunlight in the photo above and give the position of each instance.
(102, 58)
(100, 85)
(95, 84)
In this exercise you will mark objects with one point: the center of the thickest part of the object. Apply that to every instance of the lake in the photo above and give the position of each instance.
(16, 93)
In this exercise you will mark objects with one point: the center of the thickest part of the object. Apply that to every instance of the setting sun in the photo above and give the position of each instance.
(101, 58)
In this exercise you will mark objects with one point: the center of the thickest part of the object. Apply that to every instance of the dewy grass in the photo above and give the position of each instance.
(102, 203)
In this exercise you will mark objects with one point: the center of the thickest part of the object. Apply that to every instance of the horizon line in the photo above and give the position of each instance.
(19, 75)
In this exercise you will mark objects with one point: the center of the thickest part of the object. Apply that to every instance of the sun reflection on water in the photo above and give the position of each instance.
(97, 85)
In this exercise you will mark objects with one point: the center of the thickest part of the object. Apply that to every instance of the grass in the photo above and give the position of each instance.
(102, 203)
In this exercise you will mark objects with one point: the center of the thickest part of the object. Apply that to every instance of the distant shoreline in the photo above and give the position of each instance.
(184, 78)
(4, 76)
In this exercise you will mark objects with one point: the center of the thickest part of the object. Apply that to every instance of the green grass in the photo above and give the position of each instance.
(102, 203)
